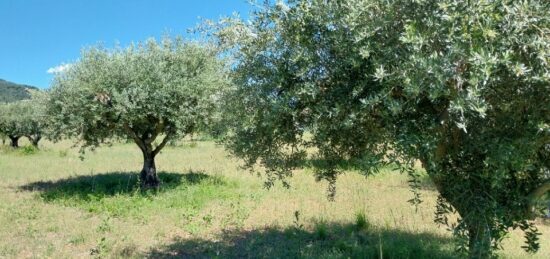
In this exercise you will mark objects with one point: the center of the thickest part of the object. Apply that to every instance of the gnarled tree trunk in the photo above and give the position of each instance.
(148, 175)
(479, 241)
(479, 236)
(35, 139)
(14, 141)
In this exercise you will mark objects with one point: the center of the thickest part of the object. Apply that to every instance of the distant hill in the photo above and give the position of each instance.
(11, 92)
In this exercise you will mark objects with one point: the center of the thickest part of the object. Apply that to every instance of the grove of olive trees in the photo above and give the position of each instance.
(455, 90)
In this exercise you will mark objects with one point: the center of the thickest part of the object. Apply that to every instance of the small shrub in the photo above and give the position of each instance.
(321, 229)
(28, 150)
(361, 221)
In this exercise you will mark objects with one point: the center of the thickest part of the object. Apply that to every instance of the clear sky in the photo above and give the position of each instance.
(36, 35)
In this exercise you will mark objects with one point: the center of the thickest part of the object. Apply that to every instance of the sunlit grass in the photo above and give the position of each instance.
(118, 194)
(55, 205)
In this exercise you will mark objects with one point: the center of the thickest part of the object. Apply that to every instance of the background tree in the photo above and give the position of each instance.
(24, 118)
(462, 86)
(143, 92)
(33, 117)
(10, 122)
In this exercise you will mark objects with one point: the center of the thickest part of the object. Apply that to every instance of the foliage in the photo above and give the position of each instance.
(24, 118)
(9, 120)
(462, 86)
(138, 93)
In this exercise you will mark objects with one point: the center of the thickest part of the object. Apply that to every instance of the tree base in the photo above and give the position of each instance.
(14, 142)
(147, 184)
(148, 176)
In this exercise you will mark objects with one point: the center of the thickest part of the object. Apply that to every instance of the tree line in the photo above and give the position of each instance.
(463, 87)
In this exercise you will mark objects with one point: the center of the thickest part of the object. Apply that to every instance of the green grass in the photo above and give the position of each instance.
(118, 194)
(325, 241)
(55, 205)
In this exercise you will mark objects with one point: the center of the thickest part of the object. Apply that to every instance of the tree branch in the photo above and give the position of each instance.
(162, 144)
(158, 130)
(539, 192)
(135, 137)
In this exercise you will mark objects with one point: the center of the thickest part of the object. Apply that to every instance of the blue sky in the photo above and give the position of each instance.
(36, 35)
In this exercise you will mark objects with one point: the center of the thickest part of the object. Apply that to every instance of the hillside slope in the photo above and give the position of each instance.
(11, 92)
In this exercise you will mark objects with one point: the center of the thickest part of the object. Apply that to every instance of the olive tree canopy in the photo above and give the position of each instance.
(461, 86)
(11, 122)
(150, 93)
(24, 118)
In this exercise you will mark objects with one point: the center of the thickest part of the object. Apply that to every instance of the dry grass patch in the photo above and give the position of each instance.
(55, 205)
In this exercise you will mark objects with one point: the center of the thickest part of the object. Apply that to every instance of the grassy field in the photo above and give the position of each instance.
(55, 205)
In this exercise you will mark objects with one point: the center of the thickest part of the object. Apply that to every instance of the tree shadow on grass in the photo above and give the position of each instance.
(94, 187)
(328, 240)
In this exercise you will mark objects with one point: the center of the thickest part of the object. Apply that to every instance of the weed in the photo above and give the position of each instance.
(28, 150)
(105, 226)
(321, 229)
(207, 219)
(80, 239)
(297, 223)
(361, 222)
(102, 248)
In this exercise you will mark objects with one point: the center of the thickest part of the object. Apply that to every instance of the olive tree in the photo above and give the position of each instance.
(149, 93)
(23, 119)
(11, 122)
(33, 117)
(461, 86)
